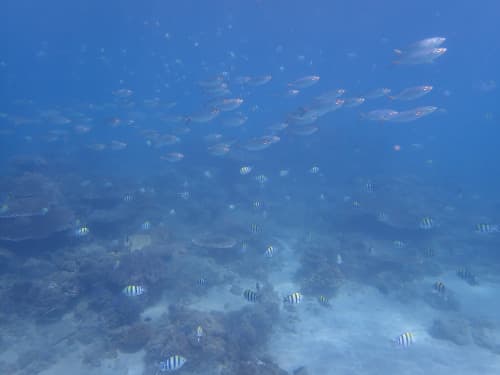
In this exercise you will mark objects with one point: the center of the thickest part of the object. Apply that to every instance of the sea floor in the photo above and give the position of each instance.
(352, 336)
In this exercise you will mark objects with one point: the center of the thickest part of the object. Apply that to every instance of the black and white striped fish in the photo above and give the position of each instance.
(134, 290)
(172, 363)
(427, 223)
(269, 251)
(404, 340)
(293, 299)
(250, 295)
(466, 275)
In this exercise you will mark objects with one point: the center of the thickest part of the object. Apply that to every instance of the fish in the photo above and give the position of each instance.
(199, 333)
(255, 228)
(235, 120)
(419, 56)
(227, 104)
(280, 126)
(382, 217)
(97, 147)
(324, 301)
(146, 225)
(173, 157)
(486, 228)
(123, 93)
(302, 83)
(133, 290)
(245, 170)
(429, 252)
(118, 145)
(293, 299)
(304, 130)
(201, 282)
(82, 231)
(172, 363)
(353, 102)
(220, 149)
(259, 80)
(204, 116)
(184, 195)
(314, 169)
(404, 340)
(250, 295)
(412, 93)
(261, 179)
(398, 244)
(378, 93)
(339, 260)
(439, 288)
(413, 114)
(128, 198)
(426, 43)
(269, 251)
(257, 205)
(284, 172)
(427, 223)
(380, 115)
(466, 275)
(369, 187)
(260, 143)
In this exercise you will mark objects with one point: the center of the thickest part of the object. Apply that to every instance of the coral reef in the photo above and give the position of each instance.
(35, 208)
(319, 273)
(132, 338)
(456, 330)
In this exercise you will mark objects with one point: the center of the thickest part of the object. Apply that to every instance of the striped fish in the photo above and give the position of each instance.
(255, 228)
(369, 187)
(486, 228)
(133, 290)
(293, 299)
(426, 223)
(439, 288)
(172, 363)
(466, 275)
(245, 170)
(261, 179)
(429, 252)
(199, 333)
(128, 198)
(269, 251)
(201, 282)
(250, 295)
(82, 231)
(404, 340)
(257, 204)
(398, 244)
(323, 301)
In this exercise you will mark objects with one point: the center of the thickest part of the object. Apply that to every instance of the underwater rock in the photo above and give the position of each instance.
(486, 336)
(214, 241)
(132, 339)
(456, 330)
(229, 344)
(138, 242)
(440, 302)
(302, 370)
(259, 367)
(34, 208)
(319, 272)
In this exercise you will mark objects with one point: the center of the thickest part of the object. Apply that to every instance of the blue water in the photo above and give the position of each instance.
(88, 90)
